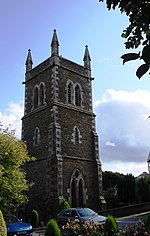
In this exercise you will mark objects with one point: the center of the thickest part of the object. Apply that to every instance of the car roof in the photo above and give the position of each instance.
(77, 208)
(9, 214)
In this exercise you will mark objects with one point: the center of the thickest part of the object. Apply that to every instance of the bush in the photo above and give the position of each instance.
(63, 204)
(111, 226)
(3, 230)
(147, 221)
(75, 228)
(52, 228)
(35, 219)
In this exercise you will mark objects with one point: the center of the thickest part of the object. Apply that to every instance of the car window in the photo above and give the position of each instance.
(86, 212)
(74, 213)
(66, 213)
(10, 218)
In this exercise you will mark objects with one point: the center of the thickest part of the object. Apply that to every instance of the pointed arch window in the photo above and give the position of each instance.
(41, 94)
(36, 138)
(76, 135)
(70, 93)
(35, 97)
(74, 95)
(77, 95)
(78, 191)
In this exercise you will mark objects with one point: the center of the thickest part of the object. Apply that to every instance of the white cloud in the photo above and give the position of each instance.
(11, 117)
(109, 143)
(121, 117)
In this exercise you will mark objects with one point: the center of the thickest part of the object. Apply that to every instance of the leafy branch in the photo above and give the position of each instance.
(138, 31)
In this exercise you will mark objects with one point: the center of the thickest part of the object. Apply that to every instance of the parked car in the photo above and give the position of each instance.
(17, 227)
(82, 214)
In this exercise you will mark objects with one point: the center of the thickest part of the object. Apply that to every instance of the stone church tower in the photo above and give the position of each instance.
(58, 127)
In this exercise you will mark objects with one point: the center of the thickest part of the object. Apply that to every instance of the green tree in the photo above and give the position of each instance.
(129, 188)
(111, 226)
(143, 189)
(111, 197)
(13, 182)
(52, 228)
(113, 180)
(137, 32)
(35, 219)
(63, 204)
(3, 230)
(119, 188)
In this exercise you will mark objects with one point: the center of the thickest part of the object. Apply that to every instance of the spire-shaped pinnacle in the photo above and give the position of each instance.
(87, 59)
(29, 61)
(55, 45)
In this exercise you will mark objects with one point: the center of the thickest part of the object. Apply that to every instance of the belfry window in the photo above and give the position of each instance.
(70, 93)
(73, 93)
(77, 95)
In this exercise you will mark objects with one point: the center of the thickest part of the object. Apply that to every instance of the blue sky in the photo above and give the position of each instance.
(121, 101)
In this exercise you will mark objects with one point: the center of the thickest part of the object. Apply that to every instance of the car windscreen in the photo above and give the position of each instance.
(86, 212)
(10, 219)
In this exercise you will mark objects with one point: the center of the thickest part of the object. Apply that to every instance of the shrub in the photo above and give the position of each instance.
(35, 219)
(63, 204)
(147, 221)
(52, 228)
(111, 226)
(75, 228)
(3, 230)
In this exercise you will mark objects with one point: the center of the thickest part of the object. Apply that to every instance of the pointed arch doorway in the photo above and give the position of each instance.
(78, 191)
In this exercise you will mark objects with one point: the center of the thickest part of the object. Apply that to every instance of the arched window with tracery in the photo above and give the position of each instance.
(41, 94)
(77, 95)
(36, 138)
(78, 190)
(35, 97)
(70, 93)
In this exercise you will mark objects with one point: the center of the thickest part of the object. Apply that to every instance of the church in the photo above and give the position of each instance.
(59, 130)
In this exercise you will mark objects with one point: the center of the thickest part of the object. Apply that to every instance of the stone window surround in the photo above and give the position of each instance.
(40, 100)
(71, 97)
(74, 137)
(77, 177)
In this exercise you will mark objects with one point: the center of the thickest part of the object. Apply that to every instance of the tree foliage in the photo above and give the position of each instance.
(124, 189)
(143, 189)
(137, 32)
(3, 230)
(35, 219)
(13, 182)
(129, 189)
(52, 228)
(63, 204)
(111, 226)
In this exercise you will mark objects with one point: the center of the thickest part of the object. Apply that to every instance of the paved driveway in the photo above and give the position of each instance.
(131, 220)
